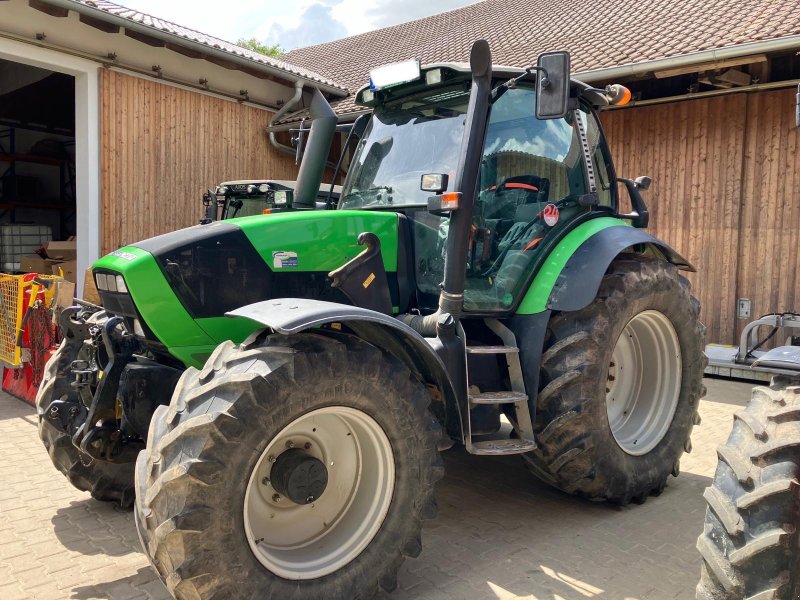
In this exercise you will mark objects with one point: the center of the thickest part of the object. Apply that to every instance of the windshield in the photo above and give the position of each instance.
(420, 134)
(246, 206)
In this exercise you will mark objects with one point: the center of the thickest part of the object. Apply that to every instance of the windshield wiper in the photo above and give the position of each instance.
(378, 188)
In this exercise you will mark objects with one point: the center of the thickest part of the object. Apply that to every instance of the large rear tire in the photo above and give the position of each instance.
(214, 518)
(110, 482)
(750, 539)
(620, 385)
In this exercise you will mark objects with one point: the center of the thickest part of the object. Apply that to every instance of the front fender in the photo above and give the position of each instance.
(289, 316)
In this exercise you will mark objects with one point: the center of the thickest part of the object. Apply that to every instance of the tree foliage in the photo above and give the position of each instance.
(256, 46)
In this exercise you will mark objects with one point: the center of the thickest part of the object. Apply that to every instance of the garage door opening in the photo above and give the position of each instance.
(37, 165)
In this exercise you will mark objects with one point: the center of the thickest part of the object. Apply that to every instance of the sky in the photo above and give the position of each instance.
(290, 24)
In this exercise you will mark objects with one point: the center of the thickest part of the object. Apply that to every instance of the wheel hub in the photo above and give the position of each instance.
(319, 492)
(644, 382)
(299, 476)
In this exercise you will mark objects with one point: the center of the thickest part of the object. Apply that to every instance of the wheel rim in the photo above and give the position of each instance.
(312, 540)
(644, 382)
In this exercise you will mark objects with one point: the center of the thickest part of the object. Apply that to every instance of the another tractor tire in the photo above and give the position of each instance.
(216, 509)
(620, 384)
(750, 539)
(110, 482)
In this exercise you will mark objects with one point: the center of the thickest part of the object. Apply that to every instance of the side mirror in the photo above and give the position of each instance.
(552, 91)
(433, 182)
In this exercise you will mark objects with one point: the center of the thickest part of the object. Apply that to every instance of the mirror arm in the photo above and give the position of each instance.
(640, 215)
(501, 89)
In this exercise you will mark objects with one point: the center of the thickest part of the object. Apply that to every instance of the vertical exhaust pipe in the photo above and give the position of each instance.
(315, 158)
(451, 298)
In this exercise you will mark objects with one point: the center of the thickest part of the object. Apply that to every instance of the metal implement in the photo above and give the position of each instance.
(748, 361)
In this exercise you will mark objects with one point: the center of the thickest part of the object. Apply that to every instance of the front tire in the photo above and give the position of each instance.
(214, 518)
(750, 539)
(109, 482)
(620, 384)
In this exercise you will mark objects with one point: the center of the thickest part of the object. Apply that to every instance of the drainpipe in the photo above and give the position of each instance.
(298, 93)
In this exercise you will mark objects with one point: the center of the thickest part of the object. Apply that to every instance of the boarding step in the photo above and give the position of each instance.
(491, 349)
(501, 447)
(497, 397)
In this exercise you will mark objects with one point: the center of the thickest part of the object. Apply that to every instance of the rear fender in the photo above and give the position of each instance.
(579, 280)
(289, 316)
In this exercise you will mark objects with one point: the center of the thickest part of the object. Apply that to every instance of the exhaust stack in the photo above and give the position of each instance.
(312, 167)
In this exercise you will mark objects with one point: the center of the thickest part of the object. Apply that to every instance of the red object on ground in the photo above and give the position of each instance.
(40, 339)
(19, 382)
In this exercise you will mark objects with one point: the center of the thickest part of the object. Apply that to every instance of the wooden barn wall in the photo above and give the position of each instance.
(725, 194)
(162, 146)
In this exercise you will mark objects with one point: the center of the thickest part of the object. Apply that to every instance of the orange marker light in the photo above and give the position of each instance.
(618, 95)
(450, 200)
(266, 211)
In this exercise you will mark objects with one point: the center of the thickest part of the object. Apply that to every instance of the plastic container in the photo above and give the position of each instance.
(18, 240)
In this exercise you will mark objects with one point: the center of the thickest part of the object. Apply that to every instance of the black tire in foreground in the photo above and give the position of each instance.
(214, 518)
(110, 482)
(620, 384)
(750, 540)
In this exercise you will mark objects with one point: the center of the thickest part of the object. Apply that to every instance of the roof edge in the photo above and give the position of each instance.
(97, 13)
(790, 42)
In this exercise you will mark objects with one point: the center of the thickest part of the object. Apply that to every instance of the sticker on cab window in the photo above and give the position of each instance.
(282, 259)
(550, 214)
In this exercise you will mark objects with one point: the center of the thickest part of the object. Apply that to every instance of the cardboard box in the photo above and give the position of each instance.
(68, 269)
(90, 289)
(64, 296)
(33, 263)
(62, 250)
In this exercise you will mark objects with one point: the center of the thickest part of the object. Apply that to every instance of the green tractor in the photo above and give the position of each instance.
(275, 390)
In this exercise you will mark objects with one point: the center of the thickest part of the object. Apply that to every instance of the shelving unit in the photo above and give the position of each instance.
(9, 179)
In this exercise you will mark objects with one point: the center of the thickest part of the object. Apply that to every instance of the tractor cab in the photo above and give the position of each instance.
(250, 197)
(537, 177)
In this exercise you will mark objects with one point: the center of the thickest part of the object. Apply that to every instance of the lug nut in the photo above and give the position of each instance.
(265, 481)
(307, 446)
(276, 497)
(271, 458)
(290, 444)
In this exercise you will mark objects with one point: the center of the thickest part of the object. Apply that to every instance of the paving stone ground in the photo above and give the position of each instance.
(500, 533)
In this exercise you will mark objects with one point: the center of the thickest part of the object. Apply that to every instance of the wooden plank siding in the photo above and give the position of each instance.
(770, 222)
(725, 194)
(162, 146)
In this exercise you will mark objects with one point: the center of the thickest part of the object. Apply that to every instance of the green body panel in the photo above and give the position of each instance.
(535, 299)
(154, 298)
(323, 240)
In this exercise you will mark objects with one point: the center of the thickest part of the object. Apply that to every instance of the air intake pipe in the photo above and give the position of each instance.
(315, 157)
(451, 298)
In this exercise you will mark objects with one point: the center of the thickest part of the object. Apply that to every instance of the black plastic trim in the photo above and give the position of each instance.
(579, 280)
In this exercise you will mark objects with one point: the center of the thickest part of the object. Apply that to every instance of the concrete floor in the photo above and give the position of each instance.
(500, 534)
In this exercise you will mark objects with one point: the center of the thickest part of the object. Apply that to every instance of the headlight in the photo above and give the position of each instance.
(263, 188)
(121, 287)
(100, 279)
